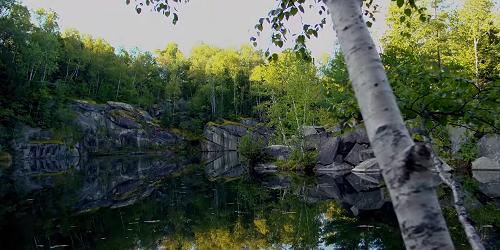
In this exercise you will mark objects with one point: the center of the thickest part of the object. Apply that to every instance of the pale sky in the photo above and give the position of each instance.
(223, 23)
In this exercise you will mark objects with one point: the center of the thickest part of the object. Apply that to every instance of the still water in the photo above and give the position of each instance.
(160, 203)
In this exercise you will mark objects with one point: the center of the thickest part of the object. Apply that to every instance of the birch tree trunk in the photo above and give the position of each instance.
(213, 101)
(405, 165)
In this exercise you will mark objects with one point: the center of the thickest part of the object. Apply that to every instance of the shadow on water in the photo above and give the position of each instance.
(154, 202)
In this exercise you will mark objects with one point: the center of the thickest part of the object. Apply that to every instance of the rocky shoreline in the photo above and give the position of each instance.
(97, 129)
(115, 128)
(349, 152)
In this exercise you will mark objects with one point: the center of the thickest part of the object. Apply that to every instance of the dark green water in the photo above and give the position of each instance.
(155, 203)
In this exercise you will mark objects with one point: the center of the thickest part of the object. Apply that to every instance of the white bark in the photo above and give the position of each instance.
(405, 166)
(458, 198)
(213, 101)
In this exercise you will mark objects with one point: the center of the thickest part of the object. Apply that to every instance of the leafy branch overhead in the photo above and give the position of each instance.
(165, 7)
(283, 12)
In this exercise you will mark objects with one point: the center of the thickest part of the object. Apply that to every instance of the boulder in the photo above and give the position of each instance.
(489, 146)
(485, 163)
(357, 135)
(362, 184)
(227, 136)
(36, 143)
(374, 177)
(328, 151)
(144, 116)
(334, 167)
(90, 107)
(278, 152)
(314, 137)
(121, 105)
(457, 135)
(222, 137)
(370, 200)
(350, 139)
(491, 189)
(249, 122)
(370, 165)
(354, 156)
(124, 119)
(366, 154)
(117, 126)
(312, 130)
(265, 168)
(489, 182)
(487, 172)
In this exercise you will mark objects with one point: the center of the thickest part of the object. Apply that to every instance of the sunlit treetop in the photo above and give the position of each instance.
(279, 15)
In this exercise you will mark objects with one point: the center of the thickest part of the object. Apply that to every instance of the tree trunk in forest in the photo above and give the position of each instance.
(67, 71)
(280, 127)
(438, 49)
(32, 74)
(213, 101)
(44, 70)
(76, 71)
(118, 88)
(405, 165)
(235, 104)
(476, 60)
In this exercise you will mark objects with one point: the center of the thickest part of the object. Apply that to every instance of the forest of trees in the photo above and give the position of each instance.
(444, 71)
(442, 61)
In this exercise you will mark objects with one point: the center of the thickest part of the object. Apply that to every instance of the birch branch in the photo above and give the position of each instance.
(405, 165)
(458, 199)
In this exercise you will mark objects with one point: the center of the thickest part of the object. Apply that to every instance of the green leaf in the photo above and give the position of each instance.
(400, 3)
(301, 8)
(293, 11)
(176, 18)
(408, 12)
(301, 39)
(281, 16)
(369, 24)
(402, 18)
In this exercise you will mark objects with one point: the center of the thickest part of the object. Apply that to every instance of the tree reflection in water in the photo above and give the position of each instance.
(187, 209)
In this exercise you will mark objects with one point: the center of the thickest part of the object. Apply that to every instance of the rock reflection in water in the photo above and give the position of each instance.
(225, 164)
(136, 202)
(102, 182)
(355, 191)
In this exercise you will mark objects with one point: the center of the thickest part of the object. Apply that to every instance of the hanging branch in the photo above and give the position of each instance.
(458, 196)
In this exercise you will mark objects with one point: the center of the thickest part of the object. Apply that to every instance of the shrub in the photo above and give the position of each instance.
(300, 160)
(251, 148)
